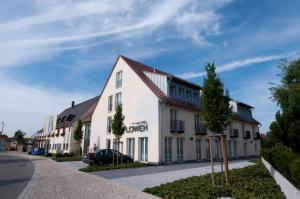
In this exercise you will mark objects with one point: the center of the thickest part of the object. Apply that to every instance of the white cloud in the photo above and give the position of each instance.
(25, 106)
(42, 29)
(237, 64)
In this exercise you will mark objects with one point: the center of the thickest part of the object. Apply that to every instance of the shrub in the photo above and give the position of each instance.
(48, 155)
(66, 155)
(71, 154)
(295, 171)
(58, 155)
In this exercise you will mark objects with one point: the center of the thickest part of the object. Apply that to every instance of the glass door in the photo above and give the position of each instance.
(180, 149)
(168, 150)
(143, 150)
(198, 148)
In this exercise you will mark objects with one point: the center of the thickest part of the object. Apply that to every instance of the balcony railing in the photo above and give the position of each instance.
(234, 134)
(177, 126)
(199, 130)
(246, 135)
(256, 136)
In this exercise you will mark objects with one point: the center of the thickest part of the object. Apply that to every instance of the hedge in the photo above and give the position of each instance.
(249, 182)
(285, 161)
(67, 159)
(111, 167)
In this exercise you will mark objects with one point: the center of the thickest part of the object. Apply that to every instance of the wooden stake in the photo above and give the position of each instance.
(225, 158)
(212, 161)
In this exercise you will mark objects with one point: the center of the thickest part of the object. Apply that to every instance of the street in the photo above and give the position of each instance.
(15, 173)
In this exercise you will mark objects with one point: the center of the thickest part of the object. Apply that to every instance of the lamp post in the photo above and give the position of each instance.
(2, 128)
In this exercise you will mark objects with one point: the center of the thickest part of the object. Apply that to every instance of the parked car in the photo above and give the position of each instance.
(38, 151)
(106, 156)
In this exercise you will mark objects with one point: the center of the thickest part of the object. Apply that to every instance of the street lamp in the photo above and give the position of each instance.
(2, 128)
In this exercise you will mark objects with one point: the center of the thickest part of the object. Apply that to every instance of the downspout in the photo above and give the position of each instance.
(161, 106)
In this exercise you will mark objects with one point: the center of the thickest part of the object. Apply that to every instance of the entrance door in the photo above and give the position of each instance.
(198, 148)
(143, 150)
(180, 149)
(168, 150)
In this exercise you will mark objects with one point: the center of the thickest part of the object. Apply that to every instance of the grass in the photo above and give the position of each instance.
(255, 161)
(249, 182)
(67, 159)
(111, 167)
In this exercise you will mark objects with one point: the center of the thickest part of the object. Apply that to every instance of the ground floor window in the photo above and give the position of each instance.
(235, 148)
(168, 150)
(229, 149)
(108, 143)
(245, 149)
(198, 148)
(217, 149)
(180, 149)
(130, 147)
(115, 146)
(207, 150)
(143, 148)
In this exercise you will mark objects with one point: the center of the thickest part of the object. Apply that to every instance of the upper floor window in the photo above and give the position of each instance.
(172, 90)
(197, 121)
(173, 114)
(110, 103)
(196, 97)
(109, 122)
(118, 99)
(119, 79)
(181, 92)
(189, 95)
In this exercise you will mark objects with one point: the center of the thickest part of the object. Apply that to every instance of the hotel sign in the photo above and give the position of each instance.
(141, 126)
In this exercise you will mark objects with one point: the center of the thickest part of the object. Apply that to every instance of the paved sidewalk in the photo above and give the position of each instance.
(142, 178)
(54, 180)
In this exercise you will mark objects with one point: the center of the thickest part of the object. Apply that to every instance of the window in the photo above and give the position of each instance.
(196, 97)
(172, 90)
(198, 148)
(189, 95)
(168, 150)
(181, 92)
(67, 146)
(173, 114)
(109, 121)
(130, 147)
(119, 79)
(143, 153)
(108, 143)
(118, 99)
(110, 103)
(197, 122)
(180, 149)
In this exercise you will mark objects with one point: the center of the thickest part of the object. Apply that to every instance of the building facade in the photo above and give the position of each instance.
(162, 118)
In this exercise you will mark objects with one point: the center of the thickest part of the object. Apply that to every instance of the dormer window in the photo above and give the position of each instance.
(196, 97)
(173, 90)
(181, 92)
(189, 95)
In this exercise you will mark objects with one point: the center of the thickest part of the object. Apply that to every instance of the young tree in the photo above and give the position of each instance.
(118, 127)
(19, 136)
(78, 134)
(286, 127)
(215, 109)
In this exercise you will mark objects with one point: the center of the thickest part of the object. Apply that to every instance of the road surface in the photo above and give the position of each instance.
(15, 173)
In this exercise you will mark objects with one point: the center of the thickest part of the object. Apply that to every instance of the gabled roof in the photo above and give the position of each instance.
(81, 111)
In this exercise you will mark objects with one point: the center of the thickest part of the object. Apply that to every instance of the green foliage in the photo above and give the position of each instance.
(111, 167)
(215, 107)
(67, 159)
(48, 155)
(78, 134)
(19, 136)
(285, 161)
(249, 182)
(286, 127)
(66, 155)
(58, 155)
(118, 127)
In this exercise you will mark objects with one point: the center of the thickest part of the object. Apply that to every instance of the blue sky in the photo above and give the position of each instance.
(53, 52)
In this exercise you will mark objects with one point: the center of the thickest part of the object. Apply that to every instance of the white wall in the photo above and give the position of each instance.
(139, 104)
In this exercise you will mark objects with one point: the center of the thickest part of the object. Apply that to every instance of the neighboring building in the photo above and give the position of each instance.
(61, 140)
(5, 142)
(162, 117)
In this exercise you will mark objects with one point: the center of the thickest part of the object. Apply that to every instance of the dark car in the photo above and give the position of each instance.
(106, 156)
(38, 151)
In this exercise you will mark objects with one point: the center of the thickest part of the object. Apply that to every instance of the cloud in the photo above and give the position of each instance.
(237, 64)
(25, 106)
(39, 30)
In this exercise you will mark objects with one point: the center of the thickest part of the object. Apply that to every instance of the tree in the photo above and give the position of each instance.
(78, 134)
(19, 136)
(215, 109)
(118, 127)
(286, 126)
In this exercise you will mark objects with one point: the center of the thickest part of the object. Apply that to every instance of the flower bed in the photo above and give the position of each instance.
(249, 182)
(110, 167)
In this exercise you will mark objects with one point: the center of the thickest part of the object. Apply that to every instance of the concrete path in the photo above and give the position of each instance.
(15, 173)
(54, 180)
(74, 164)
(142, 178)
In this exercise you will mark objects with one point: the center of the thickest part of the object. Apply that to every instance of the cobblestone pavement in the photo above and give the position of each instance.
(54, 180)
(141, 178)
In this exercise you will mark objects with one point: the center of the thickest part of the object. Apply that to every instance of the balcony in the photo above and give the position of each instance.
(246, 135)
(199, 130)
(234, 133)
(256, 136)
(177, 126)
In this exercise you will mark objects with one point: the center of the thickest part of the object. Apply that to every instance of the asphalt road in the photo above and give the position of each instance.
(15, 173)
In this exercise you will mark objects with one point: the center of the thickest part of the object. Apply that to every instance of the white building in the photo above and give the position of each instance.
(162, 117)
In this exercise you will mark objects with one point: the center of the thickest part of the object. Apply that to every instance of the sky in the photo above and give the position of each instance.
(53, 51)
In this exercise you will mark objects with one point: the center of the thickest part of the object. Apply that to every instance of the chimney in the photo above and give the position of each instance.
(73, 104)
